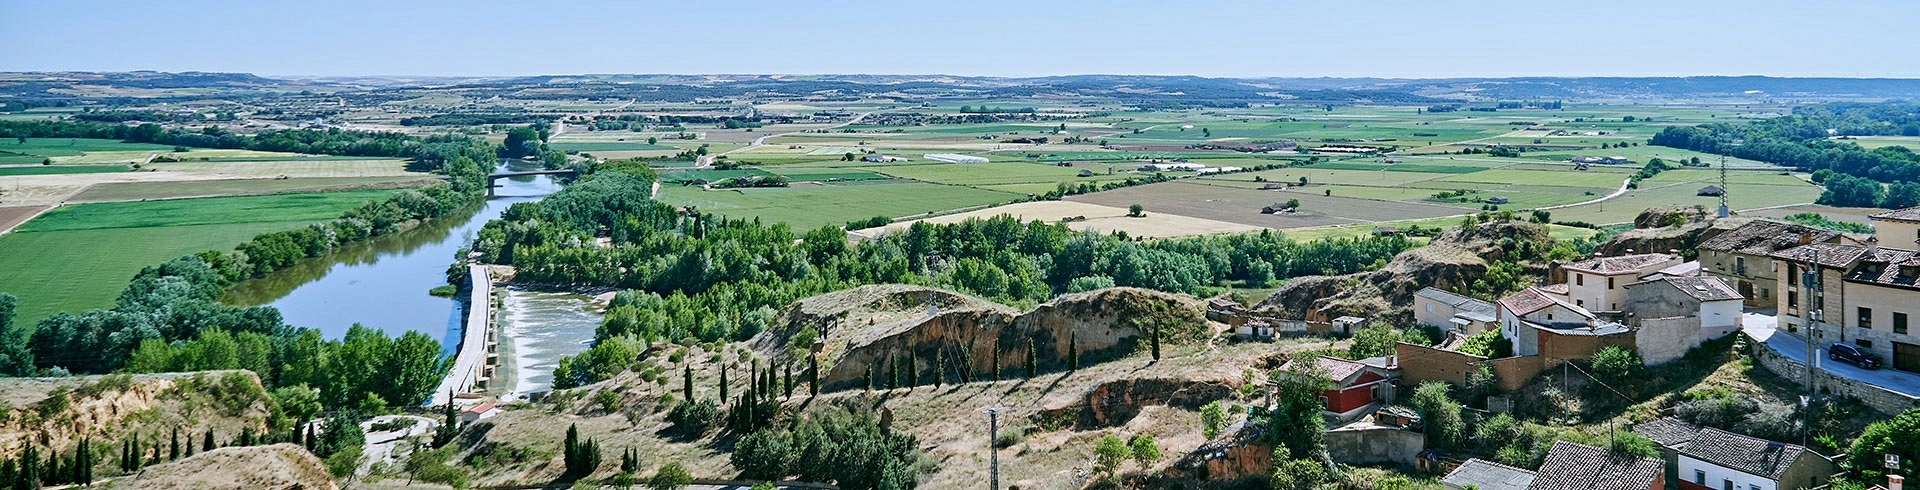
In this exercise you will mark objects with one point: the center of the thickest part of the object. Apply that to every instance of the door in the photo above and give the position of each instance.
(1906, 357)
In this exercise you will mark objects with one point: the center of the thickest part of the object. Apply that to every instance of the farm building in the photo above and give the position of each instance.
(1347, 149)
(1496, 200)
(1600, 160)
(1218, 170)
(1278, 207)
(954, 158)
(479, 412)
(1166, 167)
(1273, 186)
(1711, 191)
(881, 159)
(1086, 173)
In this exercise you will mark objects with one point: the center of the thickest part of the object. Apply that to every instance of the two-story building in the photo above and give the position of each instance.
(1599, 284)
(1525, 313)
(1743, 256)
(1672, 314)
(1864, 295)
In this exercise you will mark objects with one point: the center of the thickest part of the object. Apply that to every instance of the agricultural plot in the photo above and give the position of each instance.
(825, 174)
(1873, 142)
(682, 176)
(292, 168)
(61, 169)
(606, 146)
(1003, 173)
(1750, 191)
(1241, 205)
(139, 191)
(811, 207)
(78, 257)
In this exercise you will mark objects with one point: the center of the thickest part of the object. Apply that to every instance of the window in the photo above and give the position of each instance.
(1579, 280)
(1793, 299)
(1740, 265)
(1763, 293)
(1726, 484)
(1863, 343)
(1580, 303)
(1699, 477)
(1753, 487)
(1609, 283)
(1429, 307)
(1864, 317)
(1900, 323)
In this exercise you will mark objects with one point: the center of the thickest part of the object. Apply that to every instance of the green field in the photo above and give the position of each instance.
(811, 207)
(135, 191)
(66, 147)
(607, 146)
(679, 176)
(61, 169)
(78, 257)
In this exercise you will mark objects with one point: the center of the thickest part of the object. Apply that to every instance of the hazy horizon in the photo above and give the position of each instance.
(992, 38)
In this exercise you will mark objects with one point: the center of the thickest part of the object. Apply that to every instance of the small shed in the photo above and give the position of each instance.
(1086, 173)
(1274, 186)
(1346, 324)
(1496, 200)
(479, 412)
(1386, 230)
(1711, 191)
(1278, 207)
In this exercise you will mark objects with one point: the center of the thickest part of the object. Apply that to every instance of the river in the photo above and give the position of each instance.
(382, 284)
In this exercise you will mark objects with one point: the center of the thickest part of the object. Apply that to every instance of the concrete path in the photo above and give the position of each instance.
(469, 362)
(1760, 326)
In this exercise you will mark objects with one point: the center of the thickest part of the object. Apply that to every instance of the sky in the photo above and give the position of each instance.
(1353, 38)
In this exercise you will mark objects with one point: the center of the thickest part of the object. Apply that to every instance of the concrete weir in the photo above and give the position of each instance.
(474, 360)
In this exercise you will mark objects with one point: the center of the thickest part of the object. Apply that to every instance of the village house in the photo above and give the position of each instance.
(1452, 312)
(1863, 295)
(1568, 466)
(1670, 315)
(485, 410)
(1525, 313)
(1717, 459)
(1358, 386)
(1599, 283)
(1742, 256)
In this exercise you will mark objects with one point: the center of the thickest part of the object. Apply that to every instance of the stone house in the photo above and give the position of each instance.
(1742, 256)
(1670, 315)
(1867, 296)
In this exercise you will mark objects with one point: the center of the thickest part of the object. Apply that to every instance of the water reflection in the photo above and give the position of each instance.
(383, 283)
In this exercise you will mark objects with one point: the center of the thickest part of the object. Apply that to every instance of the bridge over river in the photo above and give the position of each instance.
(501, 175)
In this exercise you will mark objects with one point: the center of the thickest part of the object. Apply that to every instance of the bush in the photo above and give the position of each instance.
(1614, 365)
(1212, 419)
(694, 418)
(1440, 413)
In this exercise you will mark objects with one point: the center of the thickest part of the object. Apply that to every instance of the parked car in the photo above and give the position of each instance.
(1852, 355)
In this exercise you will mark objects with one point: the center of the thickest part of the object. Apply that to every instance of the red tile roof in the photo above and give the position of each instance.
(1904, 214)
(1526, 301)
(1335, 369)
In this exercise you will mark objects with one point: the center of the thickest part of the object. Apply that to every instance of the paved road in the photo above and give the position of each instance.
(1761, 327)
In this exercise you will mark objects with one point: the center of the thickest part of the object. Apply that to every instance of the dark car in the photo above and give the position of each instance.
(1852, 355)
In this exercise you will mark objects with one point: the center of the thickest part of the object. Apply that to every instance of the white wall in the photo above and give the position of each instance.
(1719, 318)
(1716, 475)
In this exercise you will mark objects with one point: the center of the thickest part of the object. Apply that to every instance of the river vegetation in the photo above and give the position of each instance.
(693, 277)
(168, 318)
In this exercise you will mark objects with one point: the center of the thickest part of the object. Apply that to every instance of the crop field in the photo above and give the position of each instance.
(292, 168)
(1872, 142)
(137, 191)
(61, 169)
(78, 257)
(605, 146)
(822, 174)
(1002, 173)
(814, 206)
(1241, 205)
(680, 176)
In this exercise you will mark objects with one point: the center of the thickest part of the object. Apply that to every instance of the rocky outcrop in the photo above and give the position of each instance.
(1452, 261)
(1655, 239)
(58, 412)
(1113, 403)
(275, 467)
(874, 327)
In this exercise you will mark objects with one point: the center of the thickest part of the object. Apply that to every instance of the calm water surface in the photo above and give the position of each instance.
(383, 283)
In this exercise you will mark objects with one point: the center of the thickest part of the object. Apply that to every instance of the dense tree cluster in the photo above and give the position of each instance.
(1802, 141)
(432, 150)
(834, 446)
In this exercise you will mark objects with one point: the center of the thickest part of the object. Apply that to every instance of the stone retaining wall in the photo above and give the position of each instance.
(1879, 398)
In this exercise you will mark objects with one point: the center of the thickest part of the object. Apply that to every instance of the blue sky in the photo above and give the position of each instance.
(1386, 38)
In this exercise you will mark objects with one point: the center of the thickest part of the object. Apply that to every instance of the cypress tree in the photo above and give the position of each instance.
(173, 446)
(723, 383)
(188, 447)
(1033, 359)
(788, 384)
(1073, 351)
(813, 377)
(85, 474)
(1156, 341)
(758, 387)
(29, 475)
(939, 367)
(126, 455)
(913, 370)
(567, 452)
(893, 372)
(139, 455)
(686, 387)
(208, 444)
(996, 359)
(867, 377)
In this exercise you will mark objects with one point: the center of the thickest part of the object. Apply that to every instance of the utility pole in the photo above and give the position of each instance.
(1723, 185)
(993, 447)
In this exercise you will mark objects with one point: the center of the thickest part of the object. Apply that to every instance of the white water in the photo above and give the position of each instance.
(543, 327)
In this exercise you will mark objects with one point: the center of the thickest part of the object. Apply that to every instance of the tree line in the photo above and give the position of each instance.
(1801, 140)
(431, 150)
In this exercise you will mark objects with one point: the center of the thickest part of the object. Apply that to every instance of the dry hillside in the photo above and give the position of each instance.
(275, 467)
(1452, 261)
(58, 412)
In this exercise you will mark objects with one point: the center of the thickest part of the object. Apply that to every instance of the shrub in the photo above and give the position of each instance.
(694, 418)
(607, 399)
(1212, 419)
(1614, 365)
